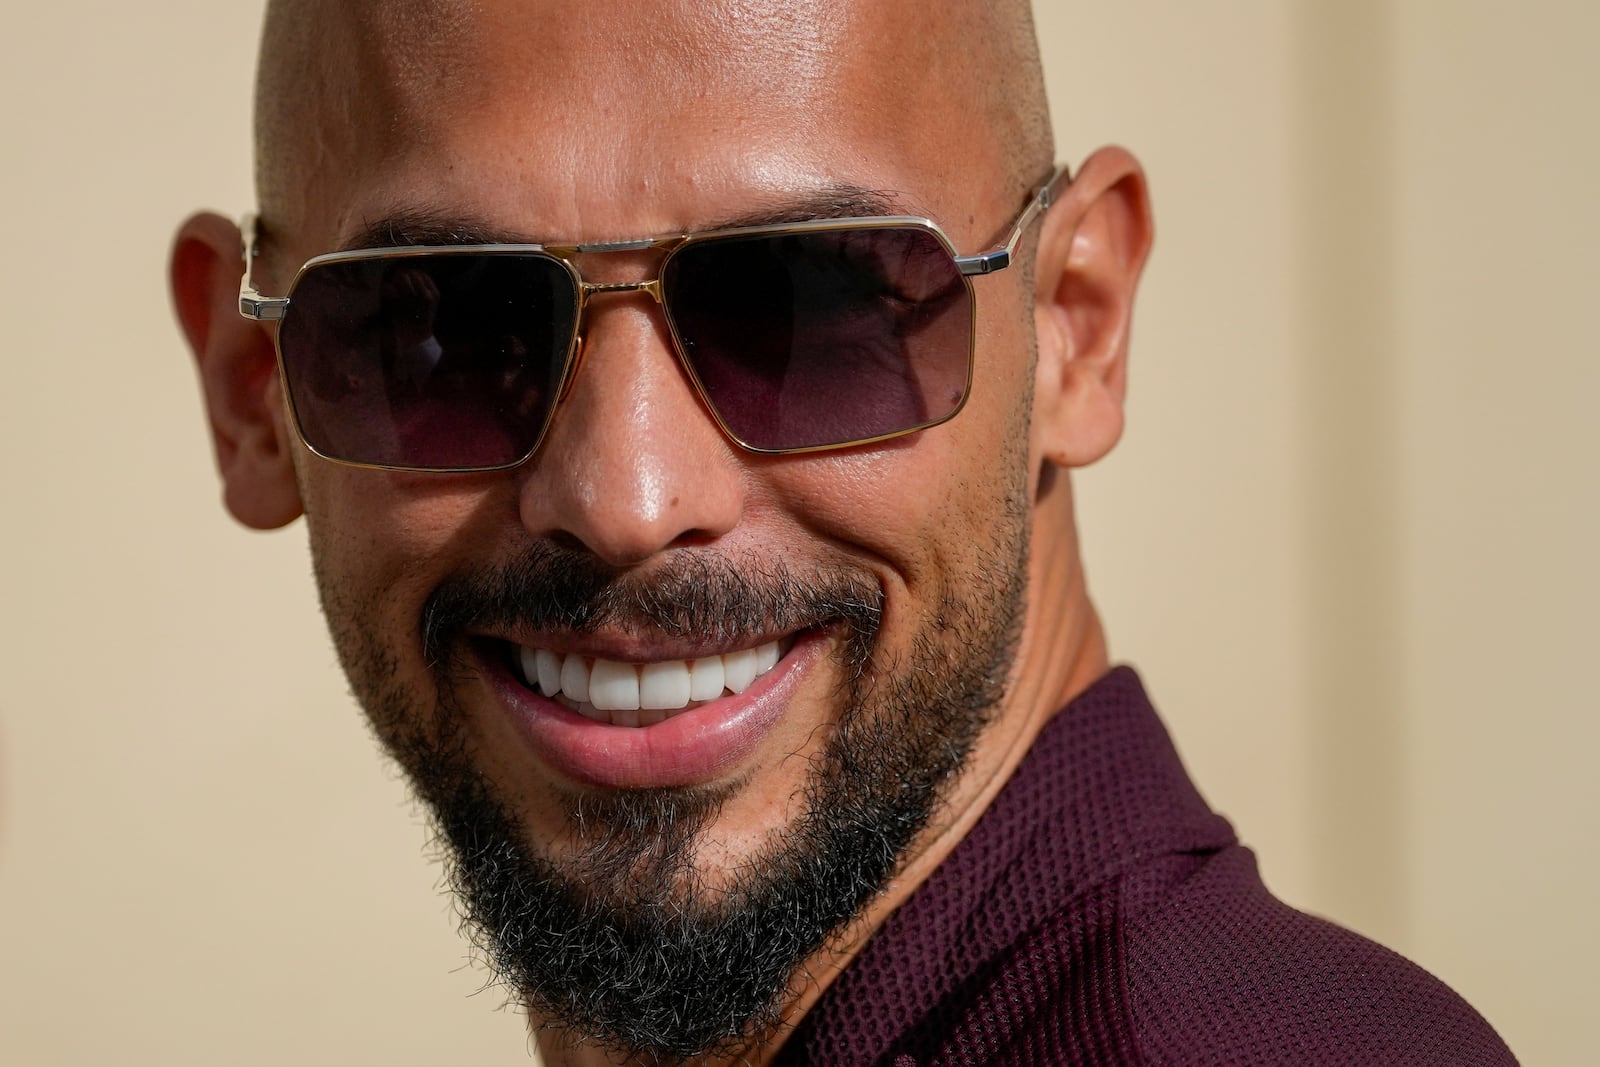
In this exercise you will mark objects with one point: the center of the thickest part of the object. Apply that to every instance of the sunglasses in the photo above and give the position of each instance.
(797, 338)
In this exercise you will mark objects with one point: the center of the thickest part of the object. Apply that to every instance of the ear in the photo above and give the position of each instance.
(238, 375)
(1091, 251)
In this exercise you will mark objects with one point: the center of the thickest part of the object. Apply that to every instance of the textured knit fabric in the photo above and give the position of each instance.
(1100, 914)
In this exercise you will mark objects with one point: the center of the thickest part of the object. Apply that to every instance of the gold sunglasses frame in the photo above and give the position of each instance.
(253, 305)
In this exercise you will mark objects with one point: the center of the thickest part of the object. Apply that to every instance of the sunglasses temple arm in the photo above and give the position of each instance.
(252, 305)
(1000, 258)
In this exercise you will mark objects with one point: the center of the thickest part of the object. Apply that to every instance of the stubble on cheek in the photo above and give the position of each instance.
(364, 583)
(396, 705)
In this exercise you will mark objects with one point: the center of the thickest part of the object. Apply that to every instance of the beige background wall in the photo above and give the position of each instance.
(1349, 538)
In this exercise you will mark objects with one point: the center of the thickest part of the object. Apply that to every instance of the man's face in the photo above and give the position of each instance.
(713, 851)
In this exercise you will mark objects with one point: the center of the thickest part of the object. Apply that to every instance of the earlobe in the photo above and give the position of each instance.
(238, 375)
(1091, 251)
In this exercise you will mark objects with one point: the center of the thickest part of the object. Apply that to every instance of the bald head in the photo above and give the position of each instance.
(344, 78)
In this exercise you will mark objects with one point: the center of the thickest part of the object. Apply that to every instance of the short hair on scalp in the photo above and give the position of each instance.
(1014, 90)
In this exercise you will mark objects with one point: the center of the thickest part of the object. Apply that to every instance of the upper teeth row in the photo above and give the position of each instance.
(611, 685)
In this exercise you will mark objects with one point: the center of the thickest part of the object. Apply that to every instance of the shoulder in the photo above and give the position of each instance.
(1218, 971)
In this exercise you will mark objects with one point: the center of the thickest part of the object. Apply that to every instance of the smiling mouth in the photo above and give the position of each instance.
(640, 694)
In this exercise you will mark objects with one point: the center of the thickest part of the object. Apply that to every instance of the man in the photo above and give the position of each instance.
(693, 525)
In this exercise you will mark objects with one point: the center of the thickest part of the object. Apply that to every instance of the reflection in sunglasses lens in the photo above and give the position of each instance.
(804, 340)
(435, 361)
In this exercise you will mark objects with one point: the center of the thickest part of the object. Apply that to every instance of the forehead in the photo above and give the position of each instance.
(614, 118)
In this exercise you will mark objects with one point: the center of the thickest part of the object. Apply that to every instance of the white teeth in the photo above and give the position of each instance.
(739, 670)
(529, 658)
(627, 694)
(664, 686)
(614, 686)
(548, 665)
(574, 678)
(705, 678)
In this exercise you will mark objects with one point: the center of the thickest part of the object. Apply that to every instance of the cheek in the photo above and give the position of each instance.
(382, 541)
(910, 491)
(924, 510)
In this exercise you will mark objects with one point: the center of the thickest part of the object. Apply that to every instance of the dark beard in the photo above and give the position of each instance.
(624, 942)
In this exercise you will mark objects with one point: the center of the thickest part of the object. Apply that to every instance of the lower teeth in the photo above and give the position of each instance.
(647, 716)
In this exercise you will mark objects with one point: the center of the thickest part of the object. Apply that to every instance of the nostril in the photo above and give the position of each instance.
(568, 540)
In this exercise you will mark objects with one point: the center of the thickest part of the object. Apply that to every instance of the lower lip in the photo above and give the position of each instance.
(692, 747)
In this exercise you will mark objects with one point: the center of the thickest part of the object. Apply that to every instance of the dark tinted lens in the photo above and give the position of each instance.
(809, 339)
(437, 360)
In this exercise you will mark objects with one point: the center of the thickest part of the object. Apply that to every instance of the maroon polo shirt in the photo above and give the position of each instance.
(1100, 913)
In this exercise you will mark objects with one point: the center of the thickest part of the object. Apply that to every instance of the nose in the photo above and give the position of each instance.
(632, 463)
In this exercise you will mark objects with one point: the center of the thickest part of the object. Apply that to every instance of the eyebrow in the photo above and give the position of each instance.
(407, 227)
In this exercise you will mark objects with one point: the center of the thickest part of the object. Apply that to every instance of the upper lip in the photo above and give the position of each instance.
(639, 648)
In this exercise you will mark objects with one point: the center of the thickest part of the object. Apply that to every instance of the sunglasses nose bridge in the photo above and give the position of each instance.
(652, 286)
(586, 291)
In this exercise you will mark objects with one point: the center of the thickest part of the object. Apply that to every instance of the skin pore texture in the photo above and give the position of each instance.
(927, 592)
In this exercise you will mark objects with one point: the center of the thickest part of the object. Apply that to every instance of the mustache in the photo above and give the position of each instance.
(690, 592)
